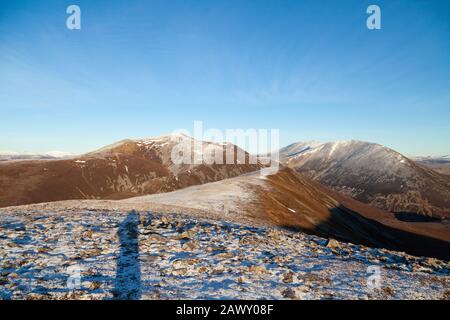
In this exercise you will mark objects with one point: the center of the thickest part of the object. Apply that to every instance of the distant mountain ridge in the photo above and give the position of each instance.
(440, 164)
(373, 174)
(13, 155)
(121, 170)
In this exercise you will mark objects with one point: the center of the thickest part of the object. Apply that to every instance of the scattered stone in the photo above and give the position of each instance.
(202, 269)
(433, 263)
(217, 271)
(333, 244)
(212, 249)
(289, 293)
(226, 255)
(180, 272)
(186, 235)
(95, 285)
(190, 246)
(257, 270)
(274, 235)
(87, 235)
(288, 277)
(446, 295)
(388, 290)
(419, 268)
(43, 250)
(156, 238)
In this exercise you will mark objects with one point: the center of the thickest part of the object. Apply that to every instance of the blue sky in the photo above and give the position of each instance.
(144, 68)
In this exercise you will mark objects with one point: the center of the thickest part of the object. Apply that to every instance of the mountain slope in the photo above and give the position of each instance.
(290, 200)
(124, 169)
(373, 174)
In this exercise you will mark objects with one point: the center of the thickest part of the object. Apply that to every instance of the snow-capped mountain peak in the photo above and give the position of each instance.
(374, 174)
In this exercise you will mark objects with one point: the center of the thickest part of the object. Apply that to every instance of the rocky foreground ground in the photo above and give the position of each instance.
(89, 254)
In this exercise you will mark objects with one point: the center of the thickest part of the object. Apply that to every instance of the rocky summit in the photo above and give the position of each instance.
(89, 254)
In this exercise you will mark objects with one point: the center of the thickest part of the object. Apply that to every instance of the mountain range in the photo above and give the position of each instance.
(352, 191)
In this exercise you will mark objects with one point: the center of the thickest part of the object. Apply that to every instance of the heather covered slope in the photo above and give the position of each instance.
(373, 174)
(125, 169)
